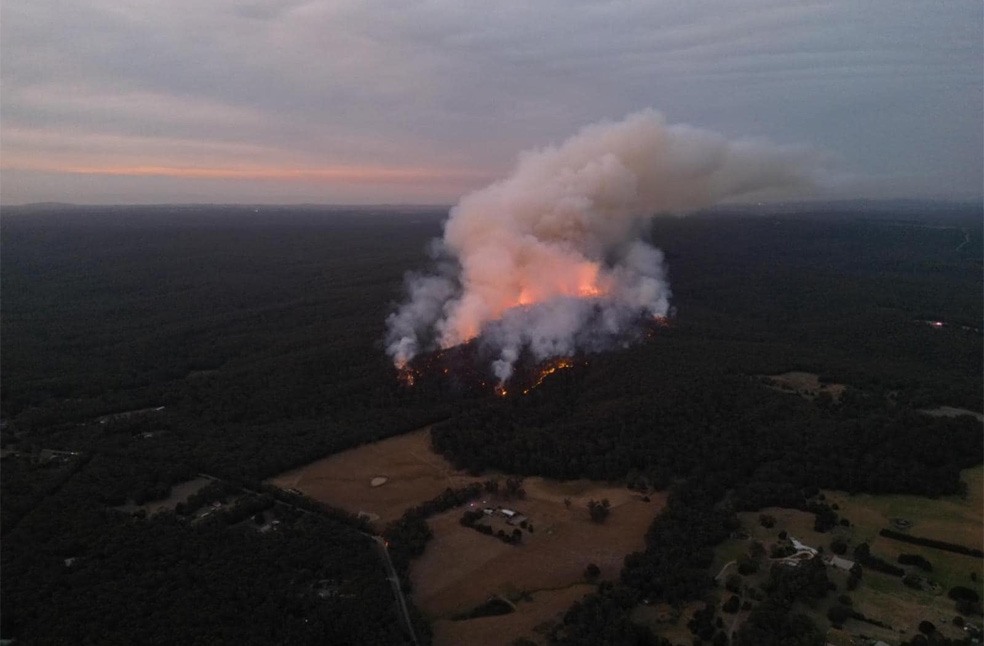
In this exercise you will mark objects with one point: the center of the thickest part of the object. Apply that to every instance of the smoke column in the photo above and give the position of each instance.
(550, 258)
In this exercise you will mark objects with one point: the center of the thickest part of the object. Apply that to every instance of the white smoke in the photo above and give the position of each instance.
(550, 259)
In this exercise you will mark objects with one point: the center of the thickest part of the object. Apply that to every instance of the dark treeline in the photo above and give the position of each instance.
(259, 335)
(929, 542)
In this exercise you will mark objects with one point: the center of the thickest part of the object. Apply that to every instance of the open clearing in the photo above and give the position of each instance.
(951, 518)
(880, 596)
(950, 411)
(461, 567)
(805, 383)
(413, 473)
(546, 606)
(179, 493)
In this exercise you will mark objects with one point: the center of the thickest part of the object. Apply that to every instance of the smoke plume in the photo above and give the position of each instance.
(550, 259)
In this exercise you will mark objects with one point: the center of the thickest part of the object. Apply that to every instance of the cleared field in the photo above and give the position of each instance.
(883, 597)
(545, 606)
(179, 493)
(462, 568)
(413, 473)
(805, 383)
(951, 518)
(950, 411)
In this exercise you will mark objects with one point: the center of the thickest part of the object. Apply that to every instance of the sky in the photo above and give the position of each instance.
(402, 101)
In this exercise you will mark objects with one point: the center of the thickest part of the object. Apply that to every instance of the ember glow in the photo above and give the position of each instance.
(552, 259)
(406, 375)
(549, 369)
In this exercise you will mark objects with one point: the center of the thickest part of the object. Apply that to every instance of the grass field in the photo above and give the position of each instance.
(806, 384)
(179, 493)
(528, 621)
(413, 472)
(952, 518)
(880, 596)
(461, 568)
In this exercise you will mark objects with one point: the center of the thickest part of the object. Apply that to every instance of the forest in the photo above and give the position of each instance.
(154, 344)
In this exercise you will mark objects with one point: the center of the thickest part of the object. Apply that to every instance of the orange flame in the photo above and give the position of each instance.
(501, 391)
(586, 281)
(407, 376)
(549, 369)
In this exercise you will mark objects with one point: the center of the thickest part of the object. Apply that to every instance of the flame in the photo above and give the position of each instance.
(549, 369)
(501, 391)
(586, 280)
(406, 375)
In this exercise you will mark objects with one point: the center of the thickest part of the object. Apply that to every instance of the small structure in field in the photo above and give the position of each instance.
(839, 563)
(378, 481)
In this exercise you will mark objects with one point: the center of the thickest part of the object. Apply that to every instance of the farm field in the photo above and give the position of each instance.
(525, 623)
(881, 596)
(806, 384)
(350, 480)
(179, 493)
(462, 568)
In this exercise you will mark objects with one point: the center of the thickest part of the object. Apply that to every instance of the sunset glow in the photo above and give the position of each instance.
(347, 174)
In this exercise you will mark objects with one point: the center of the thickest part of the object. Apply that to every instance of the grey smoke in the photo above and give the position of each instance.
(550, 258)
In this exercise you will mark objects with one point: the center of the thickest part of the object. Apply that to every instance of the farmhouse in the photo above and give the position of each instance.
(839, 563)
(801, 547)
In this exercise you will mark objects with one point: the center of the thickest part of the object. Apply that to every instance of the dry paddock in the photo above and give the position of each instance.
(461, 567)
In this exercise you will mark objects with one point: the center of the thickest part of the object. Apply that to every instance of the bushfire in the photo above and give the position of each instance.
(464, 367)
(549, 369)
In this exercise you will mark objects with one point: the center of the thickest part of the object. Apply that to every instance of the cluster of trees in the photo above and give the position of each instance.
(931, 542)
(408, 535)
(471, 517)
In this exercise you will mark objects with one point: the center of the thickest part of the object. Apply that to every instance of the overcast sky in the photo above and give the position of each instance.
(361, 101)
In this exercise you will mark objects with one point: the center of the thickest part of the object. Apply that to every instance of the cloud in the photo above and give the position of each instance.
(453, 84)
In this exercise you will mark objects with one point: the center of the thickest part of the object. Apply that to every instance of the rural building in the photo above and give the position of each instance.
(839, 563)
(508, 513)
(801, 547)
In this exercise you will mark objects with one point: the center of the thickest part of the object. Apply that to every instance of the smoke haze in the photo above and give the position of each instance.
(550, 259)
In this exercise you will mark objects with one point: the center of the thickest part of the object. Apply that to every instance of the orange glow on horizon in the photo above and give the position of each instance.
(339, 173)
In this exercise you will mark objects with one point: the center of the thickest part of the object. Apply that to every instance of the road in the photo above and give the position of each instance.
(397, 588)
(721, 573)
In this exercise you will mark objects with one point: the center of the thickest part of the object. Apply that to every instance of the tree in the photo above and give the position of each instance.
(592, 572)
(599, 511)
(747, 566)
(926, 627)
(756, 550)
(838, 615)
